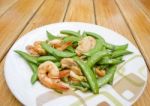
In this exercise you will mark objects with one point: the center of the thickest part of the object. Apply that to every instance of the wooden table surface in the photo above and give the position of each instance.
(131, 18)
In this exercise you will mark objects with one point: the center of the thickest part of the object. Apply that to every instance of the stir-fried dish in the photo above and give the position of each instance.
(74, 61)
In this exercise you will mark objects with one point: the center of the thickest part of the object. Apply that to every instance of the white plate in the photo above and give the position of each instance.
(129, 82)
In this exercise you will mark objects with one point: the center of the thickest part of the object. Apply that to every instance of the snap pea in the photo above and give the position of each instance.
(110, 61)
(34, 68)
(96, 57)
(69, 32)
(57, 64)
(51, 36)
(46, 58)
(104, 80)
(118, 53)
(27, 57)
(115, 47)
(98, 47)
(95, 36)
(71, 38)
(89, 75)
(71, 49)
(56, 52)
(86, 85)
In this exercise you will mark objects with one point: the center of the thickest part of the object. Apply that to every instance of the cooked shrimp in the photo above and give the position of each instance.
(55, 43)
(59, 44)
(48, 75)
(36, 49)
(85, 45)
(69, 63)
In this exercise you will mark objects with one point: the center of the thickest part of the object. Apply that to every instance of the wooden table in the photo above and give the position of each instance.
(130, 18)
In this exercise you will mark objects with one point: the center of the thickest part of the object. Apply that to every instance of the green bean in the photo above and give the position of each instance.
(104, 80)
(115, 47)
(91, 78)
(98, 47)
(86, 85)
(110, 61)
(27, 57)
(34, 68)
(57, 64)
(46, 58)
(95, 36)
(69, 32)
(71, 49)
(56, 52)
(51, 36)
(118, 53)
(84, 34)
(71, 39)
(96, 57)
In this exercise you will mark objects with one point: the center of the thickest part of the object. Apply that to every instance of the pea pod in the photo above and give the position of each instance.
(51, 36)
(34, 68)
(57, 64)
(104, 80)
(27, 57)
(56, 52)
(115, 47)
(98, 47)
(110, 61)
(46, 58)
(71, 49)
(95, 36)
(96, 57)
(69, 32)
(71, 38)
(118, 53)
(89, 75)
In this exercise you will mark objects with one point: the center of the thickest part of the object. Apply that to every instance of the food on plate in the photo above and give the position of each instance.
(74, 61)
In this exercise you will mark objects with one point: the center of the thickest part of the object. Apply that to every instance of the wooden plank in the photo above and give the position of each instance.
(81, 11)
(48, 13)
(108, 15)
(145, 5)
(5, 5)
(139, 24)
(13, 22)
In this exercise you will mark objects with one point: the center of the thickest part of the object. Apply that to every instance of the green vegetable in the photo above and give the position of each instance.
(34, 68)
(96, 36)
(69, 32)
(56, 52)
(96, 57)
(89, 75)
(51, 36)
(109, 75)
(118, 53)
(115, 47)
(27, 57)
(86, 85)
(57, 64)
(46, 58)
(71, 39)
(110, 61)
(98, 47)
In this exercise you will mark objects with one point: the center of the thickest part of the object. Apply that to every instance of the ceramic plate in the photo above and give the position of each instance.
(128, 85)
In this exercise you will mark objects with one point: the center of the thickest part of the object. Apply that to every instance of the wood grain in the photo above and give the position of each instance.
(108, 15)
(145, 5)
(13, 22)
(81, 11)
(139, 24)
(48, 13)
(5, 5)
